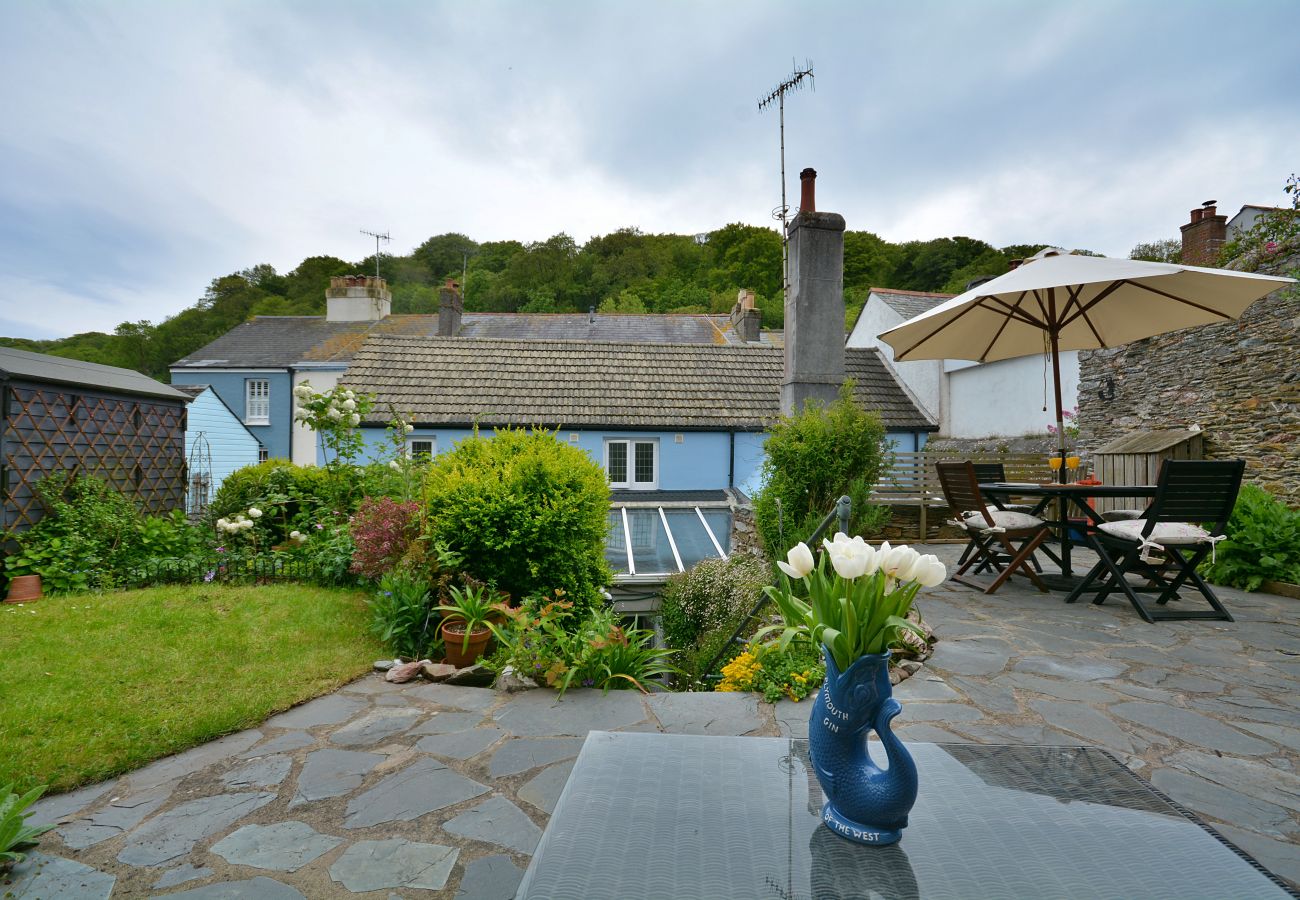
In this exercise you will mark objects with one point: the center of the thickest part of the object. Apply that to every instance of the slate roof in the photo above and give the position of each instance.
(570, 384)
(910, 304)
(24, 364)
(279, 342)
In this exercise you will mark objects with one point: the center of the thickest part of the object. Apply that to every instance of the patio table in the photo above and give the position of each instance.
(685, 816)
(1069, 495)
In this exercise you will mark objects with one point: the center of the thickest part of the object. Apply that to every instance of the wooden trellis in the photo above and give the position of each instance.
(135, 444)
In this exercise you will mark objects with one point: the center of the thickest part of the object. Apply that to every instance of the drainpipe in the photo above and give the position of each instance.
(731, 464)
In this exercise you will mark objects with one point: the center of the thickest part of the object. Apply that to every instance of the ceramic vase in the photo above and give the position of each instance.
(864, 803)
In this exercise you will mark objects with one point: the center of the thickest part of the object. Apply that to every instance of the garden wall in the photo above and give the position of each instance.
(1239, 380)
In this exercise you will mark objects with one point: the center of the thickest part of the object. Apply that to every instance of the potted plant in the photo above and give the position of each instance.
(853, 602)
(465, 619)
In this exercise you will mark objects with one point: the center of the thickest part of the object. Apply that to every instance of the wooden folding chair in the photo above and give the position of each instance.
(1193, 501)
(993, 532)
(987, 473)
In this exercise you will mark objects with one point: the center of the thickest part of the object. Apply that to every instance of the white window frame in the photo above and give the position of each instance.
(631, 484)
(254, 403)
(263, 454)
(430, 439)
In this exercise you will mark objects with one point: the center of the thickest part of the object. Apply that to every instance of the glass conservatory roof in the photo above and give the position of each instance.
(654, 534)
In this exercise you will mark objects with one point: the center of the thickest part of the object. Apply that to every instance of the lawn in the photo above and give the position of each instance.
(92, 685)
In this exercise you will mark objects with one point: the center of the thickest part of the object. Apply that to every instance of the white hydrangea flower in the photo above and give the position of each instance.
(356, 419)
(254, 512)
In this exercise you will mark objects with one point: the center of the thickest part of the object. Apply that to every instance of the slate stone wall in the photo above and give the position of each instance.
(1239, 380)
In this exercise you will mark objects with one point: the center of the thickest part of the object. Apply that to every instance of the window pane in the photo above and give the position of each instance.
(692, 540)
(618, 462)
(258, 399)
(421, 448)
(616, 544)
(645, 462)
(720, 523)
(650, 549)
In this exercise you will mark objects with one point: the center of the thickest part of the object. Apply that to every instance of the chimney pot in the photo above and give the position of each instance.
(1196, 215)
(1210, 208)
(450, 309)
(808, 190)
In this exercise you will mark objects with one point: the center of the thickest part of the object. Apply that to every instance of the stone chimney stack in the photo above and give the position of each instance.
(1204, 235)
(357, 298)
(450, 309)
(745, 317)
(814, 305)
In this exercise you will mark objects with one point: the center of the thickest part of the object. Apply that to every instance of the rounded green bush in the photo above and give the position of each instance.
(289, 496)
(527, 512)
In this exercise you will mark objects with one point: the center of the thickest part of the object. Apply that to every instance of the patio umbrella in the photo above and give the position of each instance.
(1058, 302)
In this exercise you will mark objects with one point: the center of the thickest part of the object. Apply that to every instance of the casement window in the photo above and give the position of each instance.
(263, 454)
(632, 464)
(423, 448)
(257, 401)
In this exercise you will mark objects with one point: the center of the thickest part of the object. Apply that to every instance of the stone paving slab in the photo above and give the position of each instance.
(458, 795)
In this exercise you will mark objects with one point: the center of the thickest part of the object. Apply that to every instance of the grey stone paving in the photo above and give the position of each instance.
(442, 791)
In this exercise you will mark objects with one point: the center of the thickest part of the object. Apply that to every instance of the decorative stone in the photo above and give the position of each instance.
(490, 878)
(181, 874)
(259, 888)
(497, 821)
(332, 773)
(375, 726)
(522, 754)
(40, 876)
(175, 832)
(328, 710)
(477, 675)
(383, 665)
(400, 674)
(509, 682)
(437, 671)
(420, 788)
(282, 847)
(461, 744)
(395, 863)
(543, 790)
(264, 772)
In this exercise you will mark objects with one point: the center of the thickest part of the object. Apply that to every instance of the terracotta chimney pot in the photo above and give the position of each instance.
(808, 190)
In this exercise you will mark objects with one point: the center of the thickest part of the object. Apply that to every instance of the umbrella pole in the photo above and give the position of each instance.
(1060, 412)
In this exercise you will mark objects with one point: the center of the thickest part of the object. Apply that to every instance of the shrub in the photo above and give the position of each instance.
(702, 607)
(402, 615)
(792, 674)
(813, 458)
(382, 531)
(527, 513)
(291, 497)
(1263, 543)
(542, 641)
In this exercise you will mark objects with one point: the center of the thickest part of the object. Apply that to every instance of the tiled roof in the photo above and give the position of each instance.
(43, 367)
(910, 304)
(570, 384)
(279, 342)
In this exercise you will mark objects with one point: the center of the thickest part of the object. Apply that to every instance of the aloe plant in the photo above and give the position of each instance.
(15, 834)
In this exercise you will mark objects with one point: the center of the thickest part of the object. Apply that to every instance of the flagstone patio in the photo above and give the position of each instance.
(436, 791)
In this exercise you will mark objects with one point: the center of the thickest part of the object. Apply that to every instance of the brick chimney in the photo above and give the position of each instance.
(450, 308)
(357, 298)
(1204, 235)
(814, 305)
(745, 317)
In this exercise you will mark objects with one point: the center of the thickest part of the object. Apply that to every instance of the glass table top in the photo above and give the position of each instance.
(681, 816)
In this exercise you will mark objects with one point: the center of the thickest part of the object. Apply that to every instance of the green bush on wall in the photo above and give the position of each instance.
(814, 458)
(527, 513)
(701, 608)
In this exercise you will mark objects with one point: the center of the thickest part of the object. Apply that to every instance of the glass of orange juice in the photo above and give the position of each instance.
(1055, 462)
(1072, 462)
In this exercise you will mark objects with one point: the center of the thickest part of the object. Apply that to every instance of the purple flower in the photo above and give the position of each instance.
(221, 549)
(320, 527)
(588, 682)
(212, 573)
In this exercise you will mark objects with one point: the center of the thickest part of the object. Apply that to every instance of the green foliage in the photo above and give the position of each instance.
(812, 459)
(542, 640)
(1271, 232)
(15, 834)
(328, 551)
(1263, 543)
(1168, 250)
(403, 616)
(702, 607)
(792, 674)
(526, 512)
(291, 497)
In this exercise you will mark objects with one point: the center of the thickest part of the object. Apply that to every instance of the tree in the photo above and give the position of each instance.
(1168, 250)
(444, 254)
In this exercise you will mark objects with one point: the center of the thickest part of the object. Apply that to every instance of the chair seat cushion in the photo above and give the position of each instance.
(1122, 515)
(1007, 519)
(1175, 534)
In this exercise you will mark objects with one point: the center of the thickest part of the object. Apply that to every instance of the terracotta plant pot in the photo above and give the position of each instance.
(24, 589)
(453, 637)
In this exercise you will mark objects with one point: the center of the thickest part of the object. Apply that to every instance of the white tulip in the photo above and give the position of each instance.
(254, 512)
(929, 572)
(899, 562)
(851, 557)
(799, 561)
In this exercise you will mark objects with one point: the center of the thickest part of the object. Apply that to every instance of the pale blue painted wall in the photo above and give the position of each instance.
(230, 387)
(229, 442)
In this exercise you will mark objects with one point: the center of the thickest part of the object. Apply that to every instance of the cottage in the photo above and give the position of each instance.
(216, 444)
(64, 415)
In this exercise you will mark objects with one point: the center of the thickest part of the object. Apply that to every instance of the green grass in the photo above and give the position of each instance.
(93, 685)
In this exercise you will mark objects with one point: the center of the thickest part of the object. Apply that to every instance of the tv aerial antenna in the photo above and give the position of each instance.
(378, 237)
(782, 212)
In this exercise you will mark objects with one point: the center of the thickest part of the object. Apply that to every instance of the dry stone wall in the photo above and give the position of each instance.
(1239, 380)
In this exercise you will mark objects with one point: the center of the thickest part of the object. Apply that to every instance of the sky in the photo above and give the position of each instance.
(149, 146)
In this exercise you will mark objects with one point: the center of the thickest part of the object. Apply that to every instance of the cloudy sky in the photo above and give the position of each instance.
(148, 147)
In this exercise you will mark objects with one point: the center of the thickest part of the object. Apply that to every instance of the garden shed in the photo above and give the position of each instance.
(65, 415)
(1136, 458)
